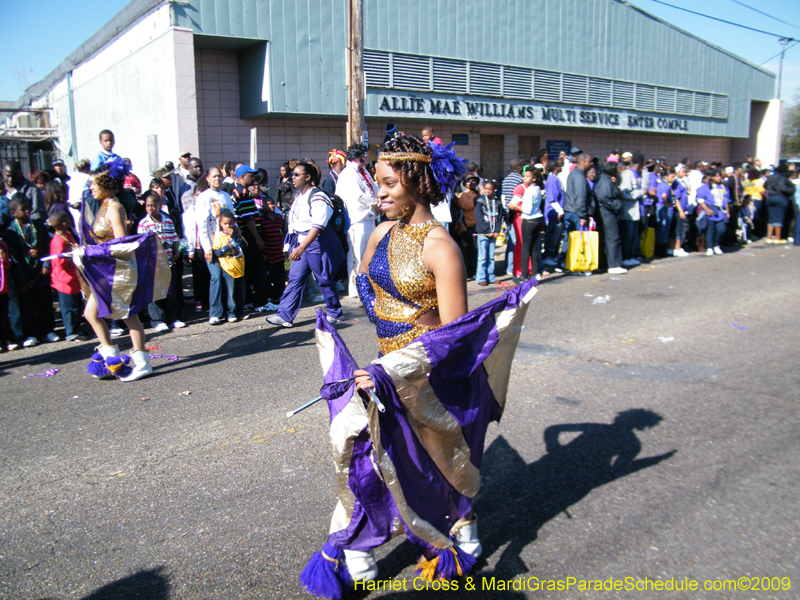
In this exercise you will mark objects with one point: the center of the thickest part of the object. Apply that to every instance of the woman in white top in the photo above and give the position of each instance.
(207, 208)
(532, 222)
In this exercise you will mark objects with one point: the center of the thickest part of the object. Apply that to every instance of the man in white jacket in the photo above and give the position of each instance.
(359, 193)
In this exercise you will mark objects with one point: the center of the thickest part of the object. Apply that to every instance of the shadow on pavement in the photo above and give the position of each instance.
(517, 499)
(144, 585)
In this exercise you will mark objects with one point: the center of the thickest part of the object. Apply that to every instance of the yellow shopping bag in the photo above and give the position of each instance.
(582, 250)
(648, 244)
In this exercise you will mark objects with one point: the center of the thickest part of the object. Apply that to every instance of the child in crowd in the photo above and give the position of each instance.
(489, 220)
(228, 246)
(28, 241)
(167, 310)
(273, 230)
(5, 328)
(55, 200)
(64, 278)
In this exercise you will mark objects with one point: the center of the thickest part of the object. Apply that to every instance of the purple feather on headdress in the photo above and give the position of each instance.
(448, 168)
(117, 169)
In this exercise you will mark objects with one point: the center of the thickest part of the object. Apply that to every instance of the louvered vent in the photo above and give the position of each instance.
(599, 92)
(719, 107)
(665, 100)
(702, 104)
(411, 72)
(449, 76)
(623, 96)
(376, 68)
(547, 86)
(485, 80)
(517, 82)
(574, 88)
(685, 103)
(645, 97)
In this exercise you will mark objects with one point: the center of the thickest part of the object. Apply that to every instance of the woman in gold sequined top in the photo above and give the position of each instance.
(412, 277)
(109, 223)
(412, 280)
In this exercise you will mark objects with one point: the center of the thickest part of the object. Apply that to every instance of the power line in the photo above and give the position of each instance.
(791, 91)
(723, 20)
(779, 53)
(765, 14)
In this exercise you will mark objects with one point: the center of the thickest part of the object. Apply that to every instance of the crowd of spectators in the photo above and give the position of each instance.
(242, 245)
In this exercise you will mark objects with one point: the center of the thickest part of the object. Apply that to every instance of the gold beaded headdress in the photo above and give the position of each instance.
(409, 156)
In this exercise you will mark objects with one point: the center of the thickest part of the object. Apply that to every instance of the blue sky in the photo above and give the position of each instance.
(44, 32)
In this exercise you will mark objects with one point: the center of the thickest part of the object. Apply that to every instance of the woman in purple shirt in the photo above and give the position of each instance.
(680, 226)
(665, 209)
(713, 199)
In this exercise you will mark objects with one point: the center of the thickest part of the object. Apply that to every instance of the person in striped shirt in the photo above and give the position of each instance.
(167, 310)
(273, 231)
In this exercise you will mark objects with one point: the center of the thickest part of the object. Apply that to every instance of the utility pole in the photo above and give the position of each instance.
(356, 125)
(783, 42)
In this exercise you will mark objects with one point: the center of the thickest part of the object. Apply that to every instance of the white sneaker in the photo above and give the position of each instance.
(272, 307)
(141, 366)
(178, 325)
(160, 326)
(681, 252)
(361, 565)
(334, 320)
(264, 308)
(276, 320)
(617, 271)
(12, 346)
(709, 252)
(232, 319)
(30, 342)
(717, 250)
(116, 331)
(52, 337)
(214, 321)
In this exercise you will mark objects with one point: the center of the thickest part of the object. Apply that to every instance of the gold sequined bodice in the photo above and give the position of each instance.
(404, 289)
(101, 227)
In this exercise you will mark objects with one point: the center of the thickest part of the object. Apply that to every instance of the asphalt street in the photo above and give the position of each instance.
(650, 437)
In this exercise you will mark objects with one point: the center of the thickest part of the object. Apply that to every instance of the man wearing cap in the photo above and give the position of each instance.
(631, 188)
(569, 165)
(183, 166)
(171, 197)
(360, 195)
(61, 174)
(249, 221)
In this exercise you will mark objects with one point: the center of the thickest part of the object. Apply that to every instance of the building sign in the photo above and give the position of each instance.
(461, 139)
(556, 147)
(381, 104)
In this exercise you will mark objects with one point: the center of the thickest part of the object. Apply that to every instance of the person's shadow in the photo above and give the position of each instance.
(516, 498)
(150, 584)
